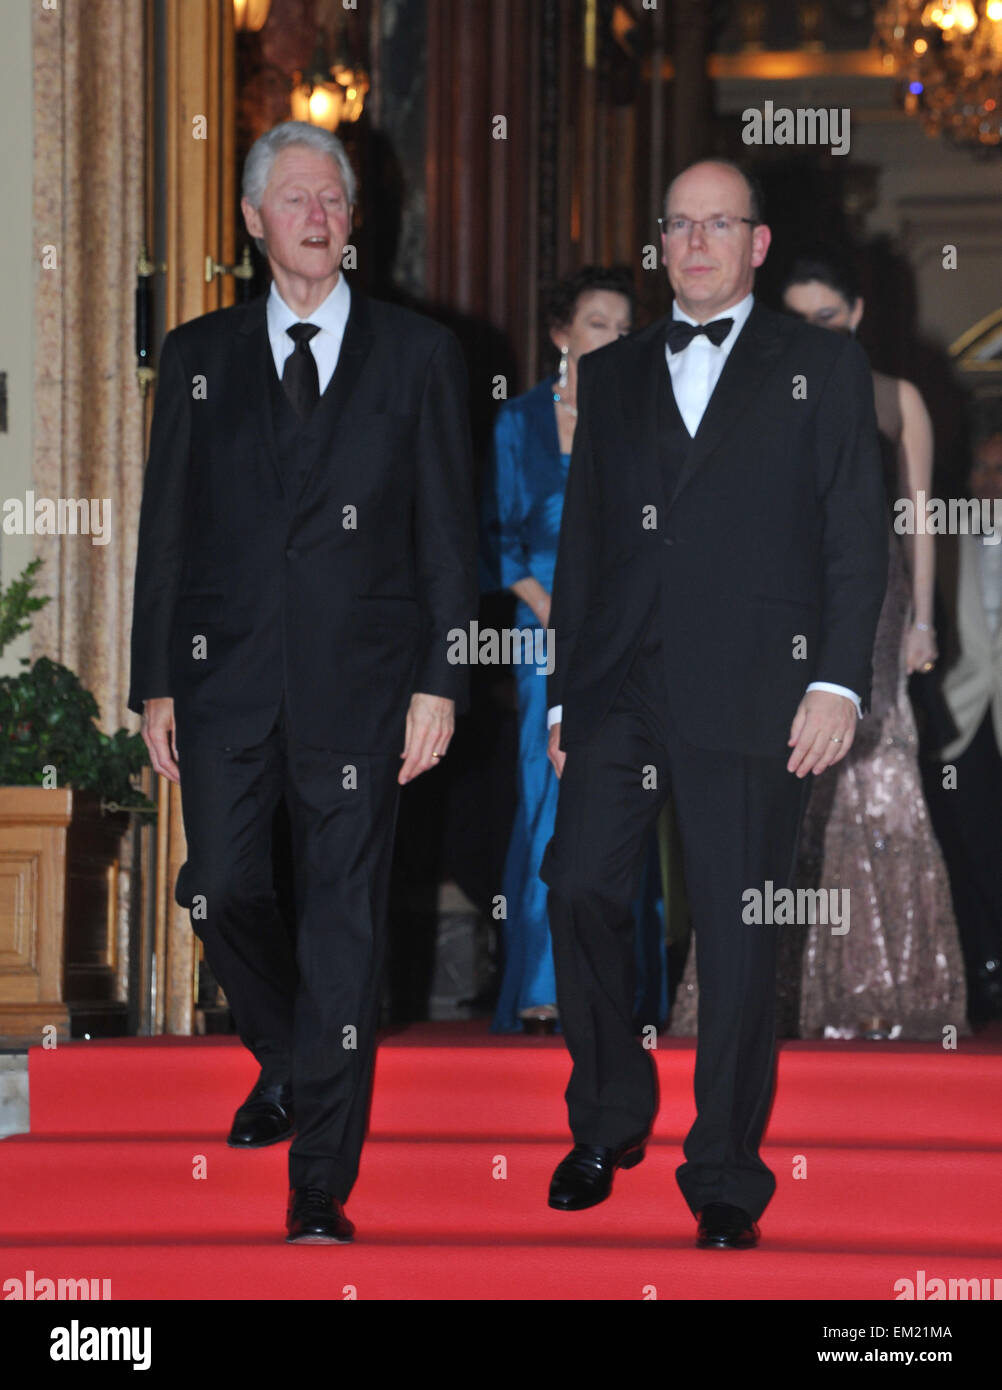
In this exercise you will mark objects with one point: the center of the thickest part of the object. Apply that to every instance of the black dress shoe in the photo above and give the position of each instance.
(725, 1227)
(266, 1117)
(985, 997)
(584, 1177)
(539, 1027)
(315, 1217)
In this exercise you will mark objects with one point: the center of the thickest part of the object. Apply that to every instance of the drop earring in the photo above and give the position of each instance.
(562, 373)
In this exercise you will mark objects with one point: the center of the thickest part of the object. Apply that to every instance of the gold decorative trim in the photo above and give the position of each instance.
(783, 65)
(964, 348)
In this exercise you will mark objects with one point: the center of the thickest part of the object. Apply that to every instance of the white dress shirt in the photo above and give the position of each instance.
(695, 371)
(330, 317)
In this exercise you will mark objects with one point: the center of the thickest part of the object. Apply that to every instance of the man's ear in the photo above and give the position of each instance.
(252, 218)
(761, 238)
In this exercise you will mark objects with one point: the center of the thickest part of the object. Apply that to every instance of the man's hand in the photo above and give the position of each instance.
(431, 721)
(822, 732)
(160, 737)
(554, 752)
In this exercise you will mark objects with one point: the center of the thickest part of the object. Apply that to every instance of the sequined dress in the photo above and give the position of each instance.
(898, 972)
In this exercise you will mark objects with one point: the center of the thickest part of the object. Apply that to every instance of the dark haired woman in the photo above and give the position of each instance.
(523, 503)
(898, 971)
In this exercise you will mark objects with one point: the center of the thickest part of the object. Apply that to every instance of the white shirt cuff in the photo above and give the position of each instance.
(839, 690)
(556, 714)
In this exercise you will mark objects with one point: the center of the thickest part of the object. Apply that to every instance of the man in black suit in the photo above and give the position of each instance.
(305, 545)
(721, 567)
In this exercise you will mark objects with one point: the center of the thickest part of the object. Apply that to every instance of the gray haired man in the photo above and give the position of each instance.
(305, 546)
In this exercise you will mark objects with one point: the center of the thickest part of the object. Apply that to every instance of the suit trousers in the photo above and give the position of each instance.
(739, 819)
(306, 1005)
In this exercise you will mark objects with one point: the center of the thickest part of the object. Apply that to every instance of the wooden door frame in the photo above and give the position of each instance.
(191, 192)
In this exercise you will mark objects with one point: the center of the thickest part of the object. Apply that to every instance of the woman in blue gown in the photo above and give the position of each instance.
(523, 502)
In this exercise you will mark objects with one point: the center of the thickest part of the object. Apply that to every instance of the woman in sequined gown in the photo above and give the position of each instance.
(898, 972)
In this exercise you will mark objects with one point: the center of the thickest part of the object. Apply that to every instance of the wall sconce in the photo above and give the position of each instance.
(249, 15)
(330, 93)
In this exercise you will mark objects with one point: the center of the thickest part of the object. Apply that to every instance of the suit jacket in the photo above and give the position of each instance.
(970, 671)
(765, 567)
(332, 589)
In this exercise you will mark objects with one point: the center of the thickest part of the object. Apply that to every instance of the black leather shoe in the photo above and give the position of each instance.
(266, 1117)
(539, 1027)
(725, 1227)
(315, 1217)
(985, 999)
(584, 1177)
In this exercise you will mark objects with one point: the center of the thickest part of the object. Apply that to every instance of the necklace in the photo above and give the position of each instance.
(571, 409)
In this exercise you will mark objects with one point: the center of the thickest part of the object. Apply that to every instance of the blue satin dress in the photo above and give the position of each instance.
(522, 506)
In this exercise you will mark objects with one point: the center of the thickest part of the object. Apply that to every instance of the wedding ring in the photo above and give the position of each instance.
(436, 755)
(928, 666)
(836, 740)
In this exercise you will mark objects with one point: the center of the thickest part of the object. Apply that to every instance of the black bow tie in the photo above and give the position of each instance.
(679, 334)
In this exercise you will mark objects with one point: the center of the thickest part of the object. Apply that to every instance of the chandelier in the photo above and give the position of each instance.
(331, 93)
(948, 54)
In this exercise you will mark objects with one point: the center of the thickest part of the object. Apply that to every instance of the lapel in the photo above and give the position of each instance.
(259, 371)
(644, 401)
(355, 346)
(749, 362)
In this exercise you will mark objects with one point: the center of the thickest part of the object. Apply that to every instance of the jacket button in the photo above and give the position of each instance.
(292, 553)
(669, 540)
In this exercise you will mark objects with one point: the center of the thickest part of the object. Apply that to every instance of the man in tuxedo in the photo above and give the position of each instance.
(305, 545)
(720, 571)
(964, 782)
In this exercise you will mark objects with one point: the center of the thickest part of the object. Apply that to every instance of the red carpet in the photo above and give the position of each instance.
(900, 1144)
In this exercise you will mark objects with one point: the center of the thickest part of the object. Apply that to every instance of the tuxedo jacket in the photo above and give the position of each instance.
(758, 547)
(318, 568)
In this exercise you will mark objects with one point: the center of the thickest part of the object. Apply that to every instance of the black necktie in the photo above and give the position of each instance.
(300, 377)
(679, 334)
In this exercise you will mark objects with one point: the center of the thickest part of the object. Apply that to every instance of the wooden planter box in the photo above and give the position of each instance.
(58, 914)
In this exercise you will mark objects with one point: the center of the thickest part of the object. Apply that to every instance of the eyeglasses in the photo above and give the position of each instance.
(712, 226)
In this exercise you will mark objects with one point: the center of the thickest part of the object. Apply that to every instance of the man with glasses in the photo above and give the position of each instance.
(720, 573)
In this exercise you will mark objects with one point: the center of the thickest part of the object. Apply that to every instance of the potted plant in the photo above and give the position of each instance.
(67, 793)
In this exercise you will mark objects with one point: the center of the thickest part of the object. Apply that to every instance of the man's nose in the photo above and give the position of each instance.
(315, 212)
(697, 233)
